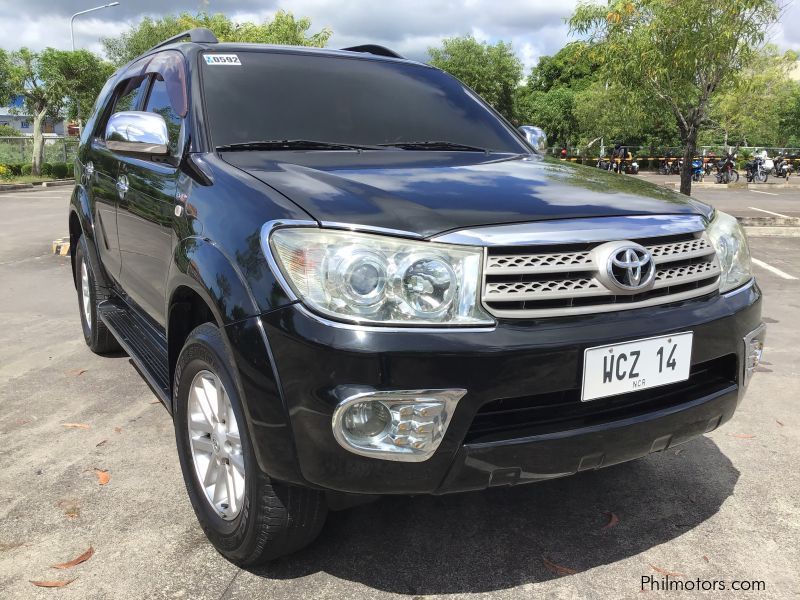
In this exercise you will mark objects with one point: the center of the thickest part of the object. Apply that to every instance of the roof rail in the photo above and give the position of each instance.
(199, 35)
(374, 49)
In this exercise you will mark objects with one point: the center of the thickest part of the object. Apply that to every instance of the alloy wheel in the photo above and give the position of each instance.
(86, 297)
(216, 445)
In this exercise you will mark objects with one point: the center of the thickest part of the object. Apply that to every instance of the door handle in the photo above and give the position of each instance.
(122, 186)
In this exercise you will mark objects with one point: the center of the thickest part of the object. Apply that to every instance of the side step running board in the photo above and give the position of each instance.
(144, 343)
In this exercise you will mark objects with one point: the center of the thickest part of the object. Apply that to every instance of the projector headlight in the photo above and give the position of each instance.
(375, 279)
(730, 242)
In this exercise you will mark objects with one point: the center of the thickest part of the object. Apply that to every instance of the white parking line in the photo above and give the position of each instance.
(769, 212)
(772, 269)
(767, 193)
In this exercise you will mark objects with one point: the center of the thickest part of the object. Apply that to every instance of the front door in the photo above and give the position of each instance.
(101, 174)
(146, 211)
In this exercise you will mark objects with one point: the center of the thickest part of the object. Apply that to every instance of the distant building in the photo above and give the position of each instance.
(14, 116)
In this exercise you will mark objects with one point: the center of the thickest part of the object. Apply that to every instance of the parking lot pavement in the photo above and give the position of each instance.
(758, 200)
(723, 507)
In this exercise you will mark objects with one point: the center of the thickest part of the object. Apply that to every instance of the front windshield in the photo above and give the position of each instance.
(292, 96)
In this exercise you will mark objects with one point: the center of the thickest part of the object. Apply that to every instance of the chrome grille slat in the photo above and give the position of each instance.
(521, 282)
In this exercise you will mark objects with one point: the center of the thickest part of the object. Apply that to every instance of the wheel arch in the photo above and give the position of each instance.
(204, 286)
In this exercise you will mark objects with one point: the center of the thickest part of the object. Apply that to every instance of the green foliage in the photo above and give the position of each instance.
(53, 83)
(683, 53)
(493, 71)
(753, 109)
(25, 170)
(553, 111)
(60, 170)
(8, 131)
(284, 28)
(574, 66)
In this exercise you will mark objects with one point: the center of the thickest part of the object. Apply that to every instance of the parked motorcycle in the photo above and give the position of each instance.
(698, 170)
(726, 171)
(783, 167)
(756, 170)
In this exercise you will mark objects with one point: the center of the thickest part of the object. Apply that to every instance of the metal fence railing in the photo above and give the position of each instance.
(19, 150)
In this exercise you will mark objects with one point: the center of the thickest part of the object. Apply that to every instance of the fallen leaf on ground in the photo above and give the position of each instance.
(742, 436)
(779, 422)
(53, 584)
(22, 421)
(103, 477)
(75, 561)
(613, 520)
(156, 402)
(557, 569)
(665, 572)
(76, 372)
(76, 425)
(100, 443)
(117, 429)
(678, 451)
(70, 508)
(705, 558)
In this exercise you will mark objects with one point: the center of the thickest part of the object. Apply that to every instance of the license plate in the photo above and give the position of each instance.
(638, 365)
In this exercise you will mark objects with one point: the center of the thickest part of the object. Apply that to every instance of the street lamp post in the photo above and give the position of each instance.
(72, 37)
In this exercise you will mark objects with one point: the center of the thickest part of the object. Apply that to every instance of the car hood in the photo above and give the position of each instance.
(428, 193)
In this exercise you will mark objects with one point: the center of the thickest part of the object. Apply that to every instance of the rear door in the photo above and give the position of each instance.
(147, 210)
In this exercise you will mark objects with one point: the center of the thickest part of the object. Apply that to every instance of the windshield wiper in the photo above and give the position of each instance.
(293, 145)
(437, 145)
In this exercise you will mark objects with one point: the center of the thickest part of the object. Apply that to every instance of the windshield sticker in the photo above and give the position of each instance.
(222, 59)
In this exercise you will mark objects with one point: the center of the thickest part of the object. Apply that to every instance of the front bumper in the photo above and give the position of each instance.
(513, 360)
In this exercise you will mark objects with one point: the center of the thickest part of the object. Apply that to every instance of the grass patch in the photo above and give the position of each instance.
(26, 179)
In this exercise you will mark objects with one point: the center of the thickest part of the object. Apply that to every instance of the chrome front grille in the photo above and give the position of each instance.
(545, 281)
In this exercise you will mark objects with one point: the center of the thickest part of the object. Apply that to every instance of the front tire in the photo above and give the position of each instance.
(97, 336)
(249, 517)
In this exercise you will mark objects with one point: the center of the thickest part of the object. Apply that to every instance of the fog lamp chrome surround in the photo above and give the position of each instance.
(419, 420)
(753, 352)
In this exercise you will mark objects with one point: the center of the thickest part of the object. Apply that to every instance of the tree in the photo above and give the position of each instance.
(284, 28)
(750, 109)
(493, 71)
(682, 52)
(553, 111)
(52, 83)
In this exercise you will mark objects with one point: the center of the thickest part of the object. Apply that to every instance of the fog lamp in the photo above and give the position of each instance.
(404, 425)
(364, 420)
(753, 351)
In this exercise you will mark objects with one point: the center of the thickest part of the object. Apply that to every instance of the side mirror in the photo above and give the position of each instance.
(535, 137)
(136, 132)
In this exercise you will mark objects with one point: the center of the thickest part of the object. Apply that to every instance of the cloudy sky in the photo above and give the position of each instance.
(535, 27)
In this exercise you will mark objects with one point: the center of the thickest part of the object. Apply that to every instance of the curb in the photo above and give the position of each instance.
(788, 232)
(769, 221)
(58, 182)
(11, 187)
(61, 247)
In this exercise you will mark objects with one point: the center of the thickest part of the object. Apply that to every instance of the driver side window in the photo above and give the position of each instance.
(128, 97)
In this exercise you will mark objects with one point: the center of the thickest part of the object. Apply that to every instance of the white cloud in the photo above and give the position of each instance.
(534, 27)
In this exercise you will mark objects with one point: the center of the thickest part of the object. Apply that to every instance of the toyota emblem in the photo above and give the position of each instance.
(625, 267)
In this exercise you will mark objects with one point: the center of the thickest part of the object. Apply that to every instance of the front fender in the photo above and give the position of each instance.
(202, 266)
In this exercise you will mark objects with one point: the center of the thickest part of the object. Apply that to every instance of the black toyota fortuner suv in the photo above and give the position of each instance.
(345, 275)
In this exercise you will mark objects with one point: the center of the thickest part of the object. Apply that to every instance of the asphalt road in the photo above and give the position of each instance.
(757, 200)
(723, 507)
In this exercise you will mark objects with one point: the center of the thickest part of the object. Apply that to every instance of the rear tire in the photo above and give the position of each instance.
(97, 336)
(267, 518)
